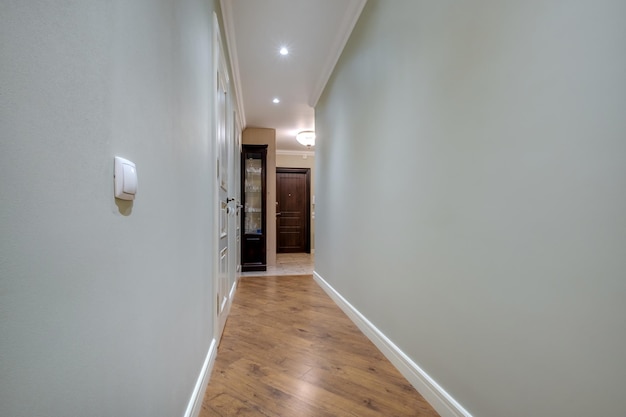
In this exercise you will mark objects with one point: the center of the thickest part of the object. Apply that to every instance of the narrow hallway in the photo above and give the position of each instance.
(288, 350)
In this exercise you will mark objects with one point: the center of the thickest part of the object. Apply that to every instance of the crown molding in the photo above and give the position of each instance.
(351, 16)
(295, 153)
(231, 44)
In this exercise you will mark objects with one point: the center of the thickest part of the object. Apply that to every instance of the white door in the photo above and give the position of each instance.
(234, 234)
(223, 142)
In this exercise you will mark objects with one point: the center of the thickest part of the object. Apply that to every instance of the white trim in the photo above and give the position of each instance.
(438, 398)
(195, 402)
(353, 11)
(231, 44)
(231, 295)
(216, 46)
(295, 153)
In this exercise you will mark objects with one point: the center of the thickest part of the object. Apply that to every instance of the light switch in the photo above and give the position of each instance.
(125, 179)
(130, 179)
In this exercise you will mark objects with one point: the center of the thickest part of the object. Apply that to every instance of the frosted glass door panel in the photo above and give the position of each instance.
(254, 203)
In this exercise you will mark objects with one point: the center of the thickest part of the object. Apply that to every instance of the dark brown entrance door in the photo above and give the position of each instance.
(293, 220)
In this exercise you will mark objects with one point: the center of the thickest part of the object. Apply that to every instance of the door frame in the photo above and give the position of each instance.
(307, 198)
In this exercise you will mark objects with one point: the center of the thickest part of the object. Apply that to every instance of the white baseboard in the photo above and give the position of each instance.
(195, 402)
(438, 398)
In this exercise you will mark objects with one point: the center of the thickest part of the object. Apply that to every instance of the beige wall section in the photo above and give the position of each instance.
(297, 161)
(263, 136)
(471, 196)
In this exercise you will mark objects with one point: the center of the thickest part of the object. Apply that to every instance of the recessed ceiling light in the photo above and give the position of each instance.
(276, 100)
(284, 51)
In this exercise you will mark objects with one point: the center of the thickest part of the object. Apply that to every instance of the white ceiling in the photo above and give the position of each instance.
(314, 31)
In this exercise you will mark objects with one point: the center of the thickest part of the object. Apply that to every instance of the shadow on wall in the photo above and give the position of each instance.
(125, 207)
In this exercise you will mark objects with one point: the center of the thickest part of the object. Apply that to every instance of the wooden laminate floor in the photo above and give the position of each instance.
(288, 350)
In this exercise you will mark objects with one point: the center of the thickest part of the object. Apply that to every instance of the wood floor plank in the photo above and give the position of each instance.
(288, 350)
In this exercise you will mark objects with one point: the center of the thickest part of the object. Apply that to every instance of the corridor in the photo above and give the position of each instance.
(467, 208)
(288, 350)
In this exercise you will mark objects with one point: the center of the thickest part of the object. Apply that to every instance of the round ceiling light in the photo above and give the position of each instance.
(306, 138)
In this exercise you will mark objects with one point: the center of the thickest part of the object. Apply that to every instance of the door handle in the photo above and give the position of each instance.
(278, 214)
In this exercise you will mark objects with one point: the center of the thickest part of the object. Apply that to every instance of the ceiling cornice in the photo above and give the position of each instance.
(353, 11)
(295, 153)
(231, 44)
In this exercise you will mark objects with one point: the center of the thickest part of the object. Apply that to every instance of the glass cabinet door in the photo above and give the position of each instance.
(253, 189)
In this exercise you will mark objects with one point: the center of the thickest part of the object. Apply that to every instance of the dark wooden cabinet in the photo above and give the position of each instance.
(253, 221)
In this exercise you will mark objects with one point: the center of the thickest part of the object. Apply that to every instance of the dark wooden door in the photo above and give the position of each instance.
(292, 212)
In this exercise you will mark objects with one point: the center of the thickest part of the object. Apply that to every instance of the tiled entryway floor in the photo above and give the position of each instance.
(287, 264)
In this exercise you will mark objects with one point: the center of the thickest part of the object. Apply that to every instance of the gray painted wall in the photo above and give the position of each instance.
(471, 177)
(105, 307)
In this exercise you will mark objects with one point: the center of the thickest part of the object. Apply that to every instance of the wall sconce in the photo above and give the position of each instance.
(306, 138)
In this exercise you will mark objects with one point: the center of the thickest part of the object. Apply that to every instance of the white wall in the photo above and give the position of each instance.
(105, 307)
(472, 196)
